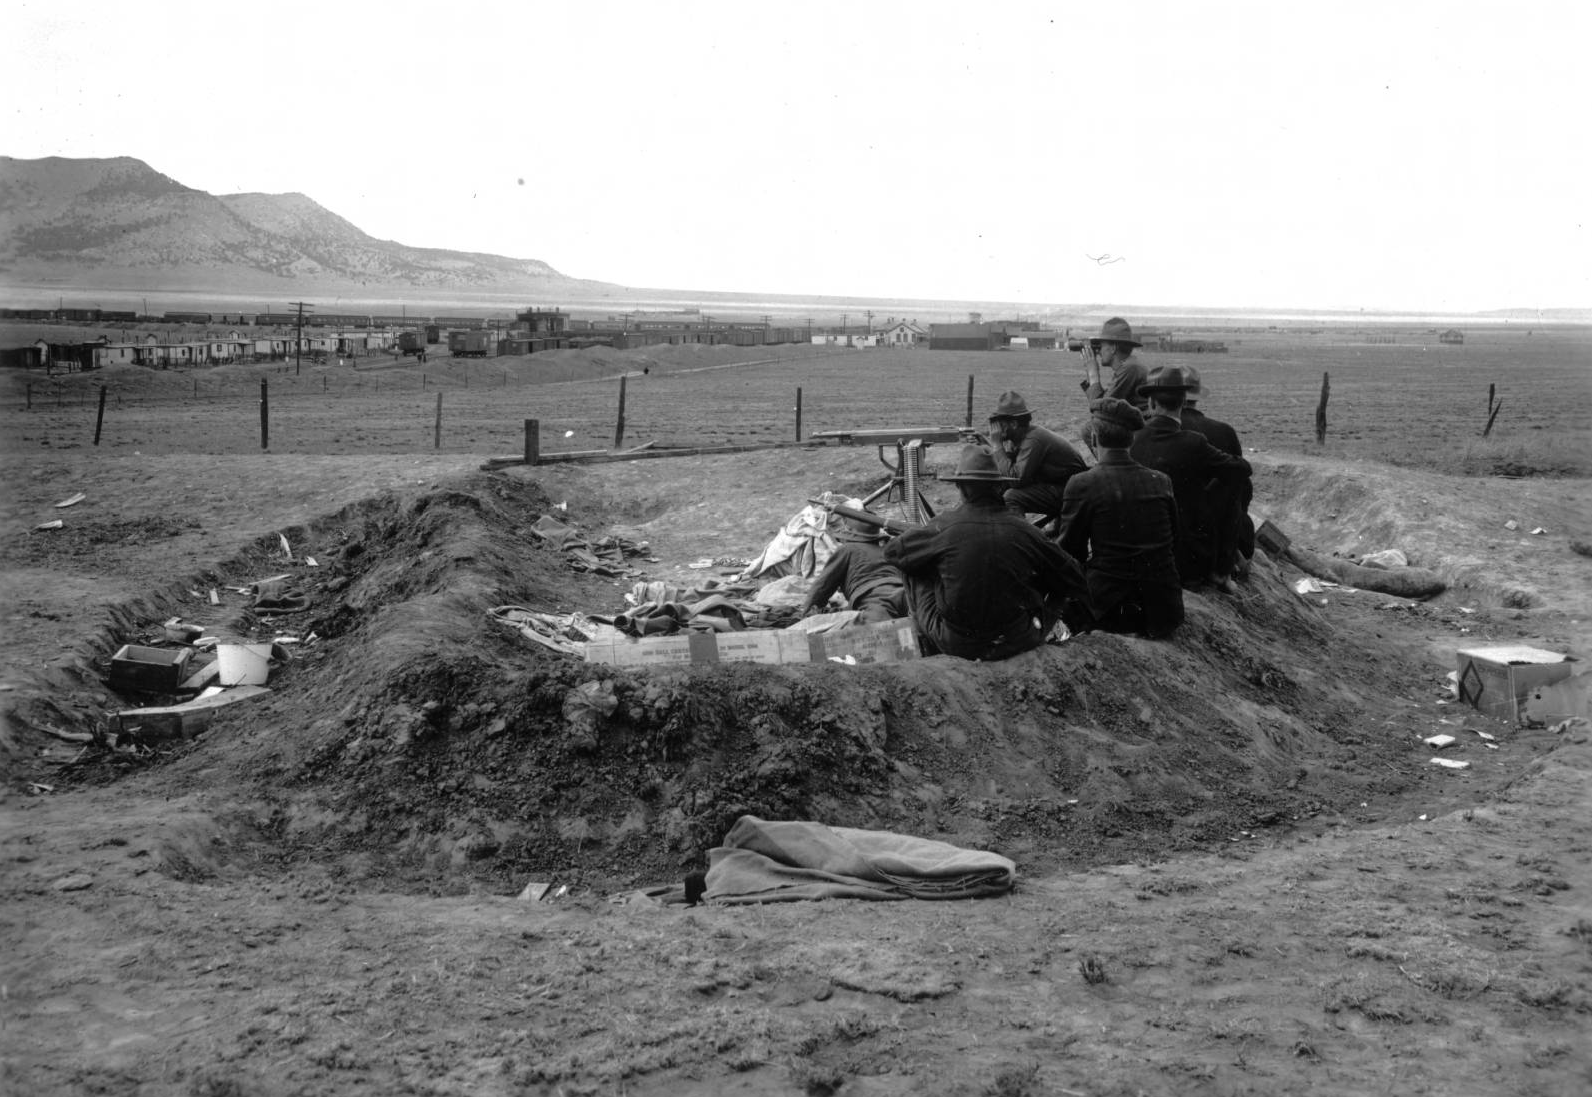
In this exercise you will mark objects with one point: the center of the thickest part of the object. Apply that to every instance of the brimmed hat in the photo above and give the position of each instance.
(976, 465)
(855, 529)
(1196, 386)
(1011, 405)
(1116, 330)
(1119, 413)
(1166, 379)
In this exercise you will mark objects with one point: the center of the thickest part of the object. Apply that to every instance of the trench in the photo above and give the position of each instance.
(418, 746)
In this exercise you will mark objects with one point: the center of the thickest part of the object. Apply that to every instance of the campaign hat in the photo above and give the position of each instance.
(1166, 379)
(1011, 405)
(1116, 330)
(976, 465)
(855, 529)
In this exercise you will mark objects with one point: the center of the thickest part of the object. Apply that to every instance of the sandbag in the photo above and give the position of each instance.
(1400, 582)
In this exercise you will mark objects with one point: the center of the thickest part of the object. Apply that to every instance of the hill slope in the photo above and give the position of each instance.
(118, 222)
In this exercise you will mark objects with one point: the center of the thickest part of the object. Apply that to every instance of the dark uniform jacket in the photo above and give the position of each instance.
(1120, 518)
(1044, 463)
(1216, 432)
(979, 576)
(1192, 463)
(1043, 457)
(860, 571)
(1236, 534)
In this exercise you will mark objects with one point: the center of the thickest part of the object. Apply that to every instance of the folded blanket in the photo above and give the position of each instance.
(768, 862)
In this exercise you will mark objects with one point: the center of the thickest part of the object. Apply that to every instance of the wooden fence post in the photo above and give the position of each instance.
(1491, 417)
(970, 401)
(1321, 411)
(798, 413)
(99, 420)
(265, 417)
(1491, 389)
(619, 428)
(436, 441)
(533, 441)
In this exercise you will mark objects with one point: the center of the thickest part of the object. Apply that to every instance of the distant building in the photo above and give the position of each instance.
(901, 333)
(1453, 336)
(534, 321)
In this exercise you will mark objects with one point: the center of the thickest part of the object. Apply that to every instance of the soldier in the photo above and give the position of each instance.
(1114, 349)
(857, 568)
(1235, 530)
(1120, 520)
(1192, 463)
(982, 582)
(1038, 461)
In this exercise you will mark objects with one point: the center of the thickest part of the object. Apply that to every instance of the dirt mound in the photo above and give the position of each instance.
(418, 741)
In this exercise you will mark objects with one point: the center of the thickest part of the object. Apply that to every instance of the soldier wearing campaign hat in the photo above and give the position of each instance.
(982, 581)
(1192, 463)
(1039, 461)
(1113, 350)
(857, 568)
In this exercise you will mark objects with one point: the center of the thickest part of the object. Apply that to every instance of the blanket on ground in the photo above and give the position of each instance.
(770, 862)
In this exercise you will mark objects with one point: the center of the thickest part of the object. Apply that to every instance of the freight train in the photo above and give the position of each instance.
(613, 331)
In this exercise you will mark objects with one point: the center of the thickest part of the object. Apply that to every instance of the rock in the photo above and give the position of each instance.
(75, 882)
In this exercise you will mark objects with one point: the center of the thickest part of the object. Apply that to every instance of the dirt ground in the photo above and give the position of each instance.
(1240, 871)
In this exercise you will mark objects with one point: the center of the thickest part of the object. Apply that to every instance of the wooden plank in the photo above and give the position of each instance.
(182, 721)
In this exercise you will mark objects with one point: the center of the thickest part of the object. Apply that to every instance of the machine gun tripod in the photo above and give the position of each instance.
(907, 471)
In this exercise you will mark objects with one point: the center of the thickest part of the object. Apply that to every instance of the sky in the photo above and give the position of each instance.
(1394, 155)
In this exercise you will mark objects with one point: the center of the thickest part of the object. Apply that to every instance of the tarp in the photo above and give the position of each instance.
(802, 547)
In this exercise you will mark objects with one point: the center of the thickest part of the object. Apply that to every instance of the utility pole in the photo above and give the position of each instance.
(298, 344)
(870, 321)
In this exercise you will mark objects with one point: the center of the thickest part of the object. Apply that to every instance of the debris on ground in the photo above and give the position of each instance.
(605, 556)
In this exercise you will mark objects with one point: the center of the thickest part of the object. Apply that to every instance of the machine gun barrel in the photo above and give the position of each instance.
(889, 525)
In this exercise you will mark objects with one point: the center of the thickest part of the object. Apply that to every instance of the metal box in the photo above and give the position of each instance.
(149, 670)
(1497, 680)
(1272, 539)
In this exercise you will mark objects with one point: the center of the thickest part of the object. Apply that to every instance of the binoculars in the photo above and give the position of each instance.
(1077, 344)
